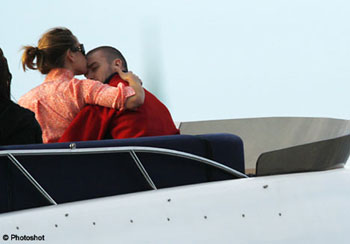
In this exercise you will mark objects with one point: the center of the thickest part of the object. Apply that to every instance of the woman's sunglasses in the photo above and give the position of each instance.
(80, 48)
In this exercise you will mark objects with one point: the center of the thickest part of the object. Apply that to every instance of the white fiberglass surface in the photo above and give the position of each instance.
(295, 208)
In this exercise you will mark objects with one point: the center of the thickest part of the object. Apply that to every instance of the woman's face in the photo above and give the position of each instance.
(79, 61)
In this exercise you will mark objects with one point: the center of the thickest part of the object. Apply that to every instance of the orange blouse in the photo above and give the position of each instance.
(60, 97)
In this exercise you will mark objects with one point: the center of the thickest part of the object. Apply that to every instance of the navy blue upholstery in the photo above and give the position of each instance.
(226, 149)
(75, 177)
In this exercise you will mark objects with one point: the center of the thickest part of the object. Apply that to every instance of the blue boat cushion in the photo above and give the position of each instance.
(74, 177)
(226, 149)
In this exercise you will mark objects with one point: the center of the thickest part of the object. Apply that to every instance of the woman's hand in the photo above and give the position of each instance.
(135, 82)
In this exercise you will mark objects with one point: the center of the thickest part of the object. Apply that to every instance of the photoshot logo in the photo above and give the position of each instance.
(14, 237)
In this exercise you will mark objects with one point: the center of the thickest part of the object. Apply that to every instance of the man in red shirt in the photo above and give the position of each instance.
(95, 123)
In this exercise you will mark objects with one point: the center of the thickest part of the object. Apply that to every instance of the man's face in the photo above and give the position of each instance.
(98, 67)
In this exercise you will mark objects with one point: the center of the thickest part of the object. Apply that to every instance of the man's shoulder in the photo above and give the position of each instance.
(149, 110)
(150, 97)
(16, 108)
(14, 113)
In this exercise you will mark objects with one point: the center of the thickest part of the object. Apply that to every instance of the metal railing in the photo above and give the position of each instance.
(103, 150)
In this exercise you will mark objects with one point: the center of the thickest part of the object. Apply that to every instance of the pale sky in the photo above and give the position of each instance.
(206, 59)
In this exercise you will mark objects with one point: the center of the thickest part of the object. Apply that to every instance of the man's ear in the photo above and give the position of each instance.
(117, 62)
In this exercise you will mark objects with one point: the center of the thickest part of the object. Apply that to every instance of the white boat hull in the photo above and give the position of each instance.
(295, 208)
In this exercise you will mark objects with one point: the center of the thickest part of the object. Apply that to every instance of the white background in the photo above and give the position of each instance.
(206, 59)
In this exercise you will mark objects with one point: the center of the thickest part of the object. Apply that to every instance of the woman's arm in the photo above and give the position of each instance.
(120, 97)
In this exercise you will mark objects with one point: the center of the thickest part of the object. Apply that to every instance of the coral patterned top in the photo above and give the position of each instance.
(60, 97)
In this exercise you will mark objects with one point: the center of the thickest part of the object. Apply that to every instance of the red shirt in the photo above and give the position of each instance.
(96, 123)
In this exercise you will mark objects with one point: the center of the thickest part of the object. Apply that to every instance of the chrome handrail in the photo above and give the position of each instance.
(131, 150)
(128, 149)
(142, 169)
(31, 179)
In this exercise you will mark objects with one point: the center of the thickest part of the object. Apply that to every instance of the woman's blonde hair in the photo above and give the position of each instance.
(50, 52)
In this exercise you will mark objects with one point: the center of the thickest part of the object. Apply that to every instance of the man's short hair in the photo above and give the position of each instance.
(111, 54)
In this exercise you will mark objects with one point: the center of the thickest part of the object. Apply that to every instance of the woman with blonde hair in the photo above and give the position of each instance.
(60, 97)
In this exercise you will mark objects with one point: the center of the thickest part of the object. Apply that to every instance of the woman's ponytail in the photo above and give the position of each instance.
(32, 58)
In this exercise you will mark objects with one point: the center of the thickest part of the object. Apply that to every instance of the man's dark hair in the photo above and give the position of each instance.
(111, 54)
(5, 79)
